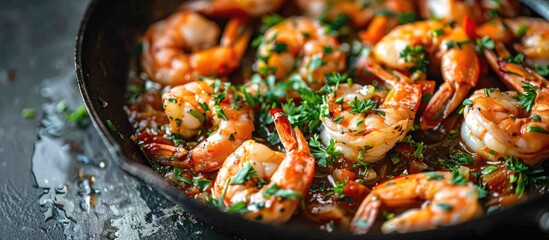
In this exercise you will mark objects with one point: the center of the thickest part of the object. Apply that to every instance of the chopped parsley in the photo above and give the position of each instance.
(527, 98)
(238, 208)
(537, 129)
(275, 190)
(246, 174)
(451, 44)
(339, 191)
(486, 43)
(267, 21)
(542, 70)
(521, 30)
(28, 113)
(201, 183)
(517, 59)
(325, 155)
(415, 55)
(527, 176)
(197, 115)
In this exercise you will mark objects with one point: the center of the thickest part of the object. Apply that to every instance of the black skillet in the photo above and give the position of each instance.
(106, 39)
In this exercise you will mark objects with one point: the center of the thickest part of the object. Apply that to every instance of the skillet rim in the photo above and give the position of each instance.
(230, 223)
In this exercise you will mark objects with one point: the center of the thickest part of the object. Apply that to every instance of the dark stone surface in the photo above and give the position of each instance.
(57, 180)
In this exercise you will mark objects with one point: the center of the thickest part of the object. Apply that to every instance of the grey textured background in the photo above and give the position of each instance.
(37, 43)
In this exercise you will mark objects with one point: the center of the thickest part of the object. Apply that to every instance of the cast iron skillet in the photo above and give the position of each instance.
(106, 38)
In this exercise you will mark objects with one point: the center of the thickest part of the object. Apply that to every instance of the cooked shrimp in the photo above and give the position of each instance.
(360, 130)
(300, 44)
(271, 184)
(253, 8)
(512, 74)
(410, 45)
(360, 12)
(183, 48)
(499, 125)
(456, 10)
(532, 35)
(396, 12)
(446, 203)
(194, 105)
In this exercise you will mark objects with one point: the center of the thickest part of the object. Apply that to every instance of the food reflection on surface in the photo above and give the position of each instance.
(408, 120)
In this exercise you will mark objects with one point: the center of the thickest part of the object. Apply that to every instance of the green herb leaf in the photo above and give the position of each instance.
(275, 190)
(198, 115)
(537, 129)
(245, 174)
(445, 207)
(486, 43)
(415, 55)
(527, 98)
(457, 178)
(28, 113)
(238, 208)
(521, 30)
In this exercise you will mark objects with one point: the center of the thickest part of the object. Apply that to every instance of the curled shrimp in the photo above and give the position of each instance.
(183, 48)
(529, 36)
(395, 13)
(300, 44)
(363, 131)
(359, 12)
(233, 7)
(498, 125)
(411, 45)
(456, 10)
(446, 203)
(190, 108)
(268, 185)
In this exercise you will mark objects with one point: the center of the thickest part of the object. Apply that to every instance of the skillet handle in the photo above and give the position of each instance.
(541, 7)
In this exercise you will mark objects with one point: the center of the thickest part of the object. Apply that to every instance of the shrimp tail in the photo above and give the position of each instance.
(378, 28)
(512, 74)
(366, 215)
(237, 35)
(443, 103)
(212, 8)
(284, 129)
(168, 155)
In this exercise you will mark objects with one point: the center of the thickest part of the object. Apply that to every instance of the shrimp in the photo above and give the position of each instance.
(182, 48)
(446, 203)
(243, 178)
(252, 8)
(360, 130)
(531, 34)
(191, 106)
(360, 12)
(300, 44)
(396, 12)
(498, 125)
(456, 10)
(416, 44)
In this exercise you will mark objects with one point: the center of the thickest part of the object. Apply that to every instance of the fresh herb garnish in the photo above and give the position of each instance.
(325, 155)
(415, 55)
(527, 98)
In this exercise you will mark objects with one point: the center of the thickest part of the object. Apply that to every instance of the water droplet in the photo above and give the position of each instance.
(83, 158)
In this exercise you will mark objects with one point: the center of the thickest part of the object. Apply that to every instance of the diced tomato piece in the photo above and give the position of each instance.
(470, 27)
(356, 191)
(405, 150)
(342, 175)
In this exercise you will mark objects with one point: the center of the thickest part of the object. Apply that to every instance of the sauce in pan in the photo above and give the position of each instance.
(402, 105)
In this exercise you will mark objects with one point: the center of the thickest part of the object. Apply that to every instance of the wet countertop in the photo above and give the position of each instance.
(57, 179)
